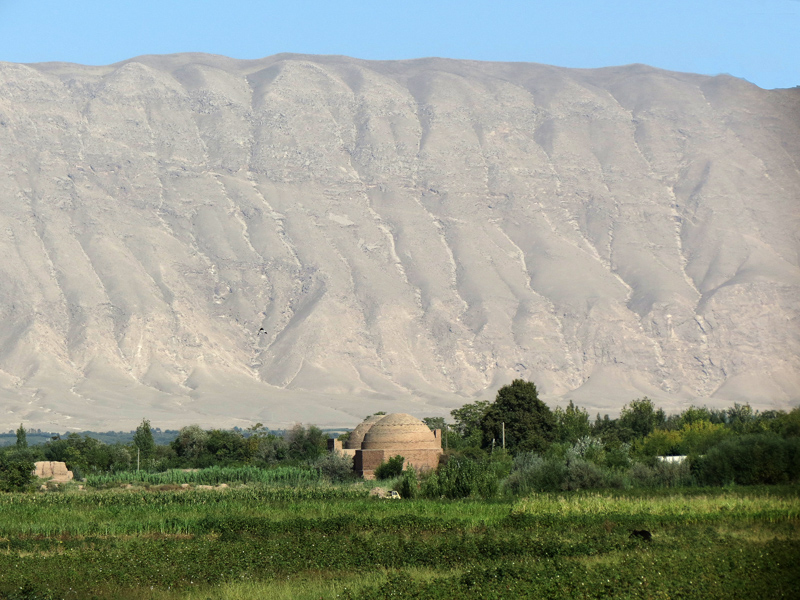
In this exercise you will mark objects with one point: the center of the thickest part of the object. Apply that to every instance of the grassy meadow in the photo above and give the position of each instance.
(320, 541)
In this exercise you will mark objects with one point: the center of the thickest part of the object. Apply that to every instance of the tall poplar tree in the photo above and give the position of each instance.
(143, 440)
(22, 437)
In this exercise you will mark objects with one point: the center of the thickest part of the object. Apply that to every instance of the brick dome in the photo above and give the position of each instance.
(357, 435)
(398, 431)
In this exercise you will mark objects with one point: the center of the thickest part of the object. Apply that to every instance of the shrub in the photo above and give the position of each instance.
(583, 475)
(750, 460)
(532, 473)
(391, 468)
(408, 486)
(589, 449)
(661, 474)
(335, 467)
(16, 470)
(641, 475)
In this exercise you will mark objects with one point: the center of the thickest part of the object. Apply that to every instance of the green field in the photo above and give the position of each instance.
(335, 542)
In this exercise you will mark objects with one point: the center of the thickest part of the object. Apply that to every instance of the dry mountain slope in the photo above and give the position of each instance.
(193, 238)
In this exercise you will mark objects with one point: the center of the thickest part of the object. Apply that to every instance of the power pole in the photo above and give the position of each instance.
(504, 436)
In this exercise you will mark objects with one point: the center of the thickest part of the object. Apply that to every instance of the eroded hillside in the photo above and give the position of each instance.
(191, 238)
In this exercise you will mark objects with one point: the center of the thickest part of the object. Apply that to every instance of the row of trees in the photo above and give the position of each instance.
(565, 449)
(193, 447)
(528, 425)
(514, 434)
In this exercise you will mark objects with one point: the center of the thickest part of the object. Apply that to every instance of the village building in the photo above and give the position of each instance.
(380, 437)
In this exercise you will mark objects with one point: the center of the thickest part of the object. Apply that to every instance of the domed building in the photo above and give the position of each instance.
(380, 437)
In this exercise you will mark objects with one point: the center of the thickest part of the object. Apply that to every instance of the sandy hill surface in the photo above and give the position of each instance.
(191, 238)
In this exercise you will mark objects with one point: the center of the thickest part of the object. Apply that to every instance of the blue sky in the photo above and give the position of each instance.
(758, 40)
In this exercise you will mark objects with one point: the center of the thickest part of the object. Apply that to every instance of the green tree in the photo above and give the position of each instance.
(191, 442)
(439, 423)
(468, 420)
(16, 470)
(740, 418)
(660, 442)
(143, 440)
(306, 443)
(787, 424)
(606, 429)
(699, 437)
(639, 418)
(572, 423)
(82, 454)
(529, 423)
(225, 447)
(22, 438)
(694, 414)
(335, 467)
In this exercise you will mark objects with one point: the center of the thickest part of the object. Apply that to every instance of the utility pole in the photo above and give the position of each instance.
(504, 436)
(137, 459)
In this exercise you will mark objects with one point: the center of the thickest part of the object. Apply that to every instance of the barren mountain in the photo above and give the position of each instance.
(191, 238)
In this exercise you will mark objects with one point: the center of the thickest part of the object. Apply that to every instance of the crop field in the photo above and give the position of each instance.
(319, 541)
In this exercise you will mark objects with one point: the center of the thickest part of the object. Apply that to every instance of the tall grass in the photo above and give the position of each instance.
(209, 476)
(685, 508)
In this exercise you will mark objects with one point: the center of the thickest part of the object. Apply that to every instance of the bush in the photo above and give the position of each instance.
(661, 474)
(532, 473)
(751, 460)
(589, 449)
(16, 470)
(391, 468)
(335, 467)
(408, 484)
(583, 475)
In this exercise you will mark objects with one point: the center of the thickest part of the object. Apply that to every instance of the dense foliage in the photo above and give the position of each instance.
(517, 419)
(545, 450)
(16, 470)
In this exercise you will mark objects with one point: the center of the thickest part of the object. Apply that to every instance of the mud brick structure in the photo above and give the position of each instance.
(380, 437)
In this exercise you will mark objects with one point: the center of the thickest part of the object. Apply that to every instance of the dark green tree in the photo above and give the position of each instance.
(639, 418)
(16, 470)
(191, 442)
(306, 443)
(227, 447)
(22, 438)
(82, 454)
(606, 429)
(143, 440)
(529, 423)
(740, 418)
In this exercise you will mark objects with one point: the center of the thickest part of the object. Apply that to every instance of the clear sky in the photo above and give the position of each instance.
(758, 40)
